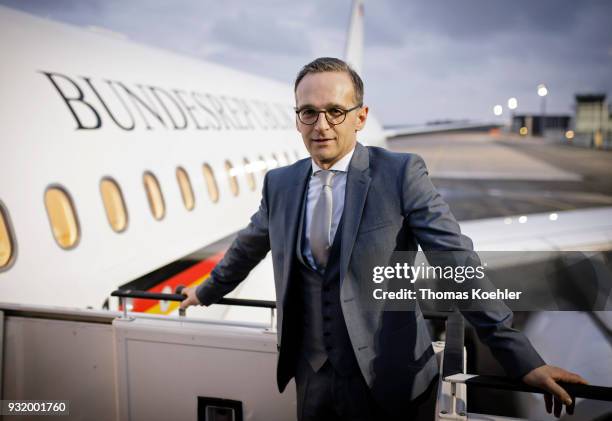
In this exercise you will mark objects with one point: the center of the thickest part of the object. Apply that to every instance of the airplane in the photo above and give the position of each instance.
(117, 173)
(118, 158)
(127, 166)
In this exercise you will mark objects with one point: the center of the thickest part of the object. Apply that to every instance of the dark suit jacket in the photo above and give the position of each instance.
(390, 204)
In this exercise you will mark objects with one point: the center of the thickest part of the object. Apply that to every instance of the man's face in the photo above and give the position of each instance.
(328, 143)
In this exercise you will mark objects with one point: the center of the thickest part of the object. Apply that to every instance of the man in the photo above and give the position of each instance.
(326, 219)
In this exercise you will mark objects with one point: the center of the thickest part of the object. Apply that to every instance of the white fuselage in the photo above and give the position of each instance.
(68, 120)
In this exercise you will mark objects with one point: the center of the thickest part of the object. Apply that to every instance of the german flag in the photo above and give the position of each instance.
(189, 271)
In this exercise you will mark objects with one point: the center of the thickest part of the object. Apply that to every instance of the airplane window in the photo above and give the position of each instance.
(154, 195)
(284, 159)
(6, 240)
(287, 158)
(211, 183)
(249, 171)
(275, 162)
(186, 190)
(233, 180)
(263, 164)
(113, 204)
(62, 217)
(280, 159)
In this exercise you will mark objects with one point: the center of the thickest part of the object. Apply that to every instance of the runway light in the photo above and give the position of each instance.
(498, 110)
(569, 135)
(512, 103)
(553, 216)
(522, 219)
(523, 131)
(542, 90)
(508, 221)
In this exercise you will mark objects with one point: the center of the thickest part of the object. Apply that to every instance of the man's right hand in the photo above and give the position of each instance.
(191, 300)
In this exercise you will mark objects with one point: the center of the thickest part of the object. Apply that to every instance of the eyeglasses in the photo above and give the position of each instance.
(333, 115)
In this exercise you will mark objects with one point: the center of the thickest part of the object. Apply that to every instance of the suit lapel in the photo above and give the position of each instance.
(293, 197)
(357, 186)
(300, 230)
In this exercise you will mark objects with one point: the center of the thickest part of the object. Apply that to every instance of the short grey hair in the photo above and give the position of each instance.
(331, 64)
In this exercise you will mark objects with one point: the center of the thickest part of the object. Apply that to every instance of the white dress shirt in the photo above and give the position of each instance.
(340, 170)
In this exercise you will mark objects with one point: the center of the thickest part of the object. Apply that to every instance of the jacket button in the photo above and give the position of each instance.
(327, 318)
(329, 348)
(326, 289)
(326, 333)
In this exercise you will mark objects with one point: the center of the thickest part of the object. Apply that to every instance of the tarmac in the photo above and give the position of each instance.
(482, 175)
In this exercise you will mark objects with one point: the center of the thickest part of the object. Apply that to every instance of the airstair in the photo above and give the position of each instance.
(110, 365)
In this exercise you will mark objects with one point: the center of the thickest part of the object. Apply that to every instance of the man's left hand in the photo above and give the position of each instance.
(546, 377)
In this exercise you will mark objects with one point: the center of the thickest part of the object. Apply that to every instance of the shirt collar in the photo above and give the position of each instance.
(341, 165)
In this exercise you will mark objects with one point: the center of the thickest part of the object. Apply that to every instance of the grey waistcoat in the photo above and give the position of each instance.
(324, 334)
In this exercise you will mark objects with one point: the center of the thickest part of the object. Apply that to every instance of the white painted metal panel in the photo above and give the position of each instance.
(164, 365)
(59, 359)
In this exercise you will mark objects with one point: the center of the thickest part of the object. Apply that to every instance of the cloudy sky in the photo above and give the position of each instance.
(424, 60)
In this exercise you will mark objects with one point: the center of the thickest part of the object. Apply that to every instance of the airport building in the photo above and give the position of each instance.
(593, 121)
(536, 125)
(590, 127)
